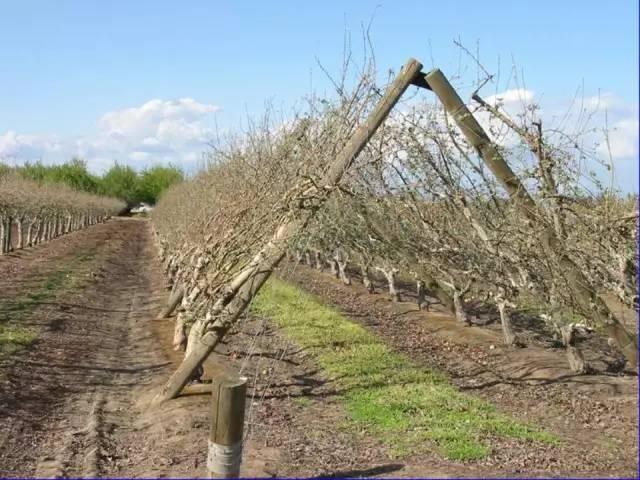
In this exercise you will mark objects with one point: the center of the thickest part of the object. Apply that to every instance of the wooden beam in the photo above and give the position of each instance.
(276, 249)
(589, 301)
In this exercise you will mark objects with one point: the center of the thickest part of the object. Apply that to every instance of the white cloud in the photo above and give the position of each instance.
(511, 97)
(159, 131)
(623, 140)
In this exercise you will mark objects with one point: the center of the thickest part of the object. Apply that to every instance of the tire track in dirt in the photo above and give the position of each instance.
(58, 397)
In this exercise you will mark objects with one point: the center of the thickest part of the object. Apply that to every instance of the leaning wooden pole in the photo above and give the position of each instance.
(273, 253)
(589, 301)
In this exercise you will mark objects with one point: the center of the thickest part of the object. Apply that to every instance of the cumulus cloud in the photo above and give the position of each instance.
(592, 114)
(512, 97)
(159, 130)
(622, 140)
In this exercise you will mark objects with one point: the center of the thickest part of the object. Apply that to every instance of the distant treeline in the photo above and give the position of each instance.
(120, 181)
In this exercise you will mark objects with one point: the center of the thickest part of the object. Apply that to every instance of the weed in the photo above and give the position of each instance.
(303, 402)
(13, 336)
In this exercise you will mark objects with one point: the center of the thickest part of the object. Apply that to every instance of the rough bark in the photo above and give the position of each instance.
(8, 235)
(2, 234)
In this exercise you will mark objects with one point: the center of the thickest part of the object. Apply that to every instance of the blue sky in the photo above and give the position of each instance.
(76, 75)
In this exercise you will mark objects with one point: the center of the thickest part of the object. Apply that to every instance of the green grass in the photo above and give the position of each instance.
(14, 336)
(384, 392)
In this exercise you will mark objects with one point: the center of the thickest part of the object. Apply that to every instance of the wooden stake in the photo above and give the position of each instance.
(590, 302)
(273, 253)
(228, 397)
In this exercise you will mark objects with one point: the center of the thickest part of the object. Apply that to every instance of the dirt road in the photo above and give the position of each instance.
(68, 398)
(76, 401)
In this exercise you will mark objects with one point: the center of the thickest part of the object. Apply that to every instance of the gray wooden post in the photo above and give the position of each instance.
(228, 397)
(591, 304)
(276, 249)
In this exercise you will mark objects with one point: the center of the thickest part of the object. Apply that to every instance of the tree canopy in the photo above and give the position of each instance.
(120, 181)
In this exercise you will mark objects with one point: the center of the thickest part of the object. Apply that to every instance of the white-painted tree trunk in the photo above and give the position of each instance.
(2, 234)
(20, 233)
(342, 271)
(390, 275)
(179, 335)
(366, 279)
(510, 338)
(576, 360)
(8, 235)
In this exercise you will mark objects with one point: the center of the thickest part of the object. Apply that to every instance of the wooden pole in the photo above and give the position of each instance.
(589, 301)
(276, 249)
(228, 397)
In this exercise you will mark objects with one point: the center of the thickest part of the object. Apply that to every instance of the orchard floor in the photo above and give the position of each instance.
(76, 401)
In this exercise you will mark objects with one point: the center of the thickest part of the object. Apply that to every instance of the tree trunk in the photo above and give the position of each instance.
(433, 286)
(422, 295)
(9, 235)
(333, 266)
(390, 275)
(179, 337)
(30, 233)
(510, 338)
(459, 307)
(307, 259)
(174, 300)
(342, 271)
(574, 355)
(242, 290)
(366, 280)
(19, 223)
(318, 260)
(2, 234)
(590, 303)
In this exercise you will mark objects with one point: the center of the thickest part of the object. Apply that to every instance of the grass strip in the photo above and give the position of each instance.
(14, 312)
(383, 391)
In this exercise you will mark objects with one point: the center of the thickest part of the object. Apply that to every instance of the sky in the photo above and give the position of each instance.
(152, 81)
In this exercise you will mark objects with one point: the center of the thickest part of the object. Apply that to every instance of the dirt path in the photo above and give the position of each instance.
(63, 398)
(592, 413)
(76, 402)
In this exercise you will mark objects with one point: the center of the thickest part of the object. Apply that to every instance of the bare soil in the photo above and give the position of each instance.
(77, 402)
(595, 415)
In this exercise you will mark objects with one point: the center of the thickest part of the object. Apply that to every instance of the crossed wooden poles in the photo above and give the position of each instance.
(248, 282)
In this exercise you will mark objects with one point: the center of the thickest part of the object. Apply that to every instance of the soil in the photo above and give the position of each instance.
(78, 401)
(595, 413)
